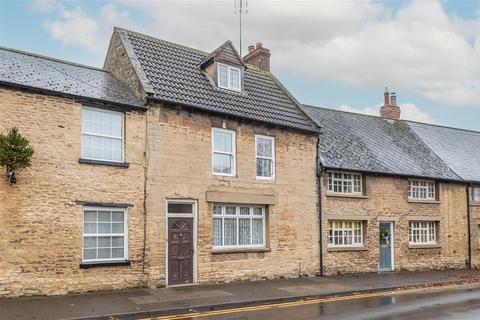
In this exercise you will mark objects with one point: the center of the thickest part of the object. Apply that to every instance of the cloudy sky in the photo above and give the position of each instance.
(336, 54)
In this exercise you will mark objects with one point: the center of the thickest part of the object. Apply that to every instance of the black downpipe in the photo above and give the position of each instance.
(469, 230)
(319, 183)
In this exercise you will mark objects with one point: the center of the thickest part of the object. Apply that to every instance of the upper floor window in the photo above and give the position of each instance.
(228, 77)
(421, 190)
(102, 135)
(223, 152)
(423, 232)
(265, 156)
(348, 183)
(475, 194)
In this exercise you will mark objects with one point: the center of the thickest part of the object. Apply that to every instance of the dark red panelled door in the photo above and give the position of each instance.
(180, 250)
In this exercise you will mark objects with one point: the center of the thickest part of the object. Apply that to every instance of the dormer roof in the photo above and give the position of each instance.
(225, 53)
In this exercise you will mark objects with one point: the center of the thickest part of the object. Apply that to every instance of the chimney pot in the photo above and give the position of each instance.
(259, 45)
(386, 97)
(393, 99)
(251, 48)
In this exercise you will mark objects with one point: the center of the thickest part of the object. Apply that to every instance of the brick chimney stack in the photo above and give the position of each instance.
(258, 56)
(390, 110)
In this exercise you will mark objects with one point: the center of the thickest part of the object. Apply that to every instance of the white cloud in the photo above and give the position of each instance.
(75, 27)
(409, 111)
(418, 49)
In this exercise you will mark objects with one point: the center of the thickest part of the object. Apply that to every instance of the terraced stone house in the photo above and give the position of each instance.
(396, 195)
(169, 166)
(174, 166)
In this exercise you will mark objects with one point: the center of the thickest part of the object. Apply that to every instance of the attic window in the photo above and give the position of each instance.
(228, 77)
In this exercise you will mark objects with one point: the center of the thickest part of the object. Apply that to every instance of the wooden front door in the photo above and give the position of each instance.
(180, 251)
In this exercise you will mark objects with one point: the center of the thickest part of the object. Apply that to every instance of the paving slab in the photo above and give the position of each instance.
(149, 302)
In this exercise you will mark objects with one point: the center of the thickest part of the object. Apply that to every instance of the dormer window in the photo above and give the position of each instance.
(228, 77)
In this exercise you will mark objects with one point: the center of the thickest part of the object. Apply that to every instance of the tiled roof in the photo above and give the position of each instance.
(459, 149)
(352, 141)
(174, 74)
(27, 70)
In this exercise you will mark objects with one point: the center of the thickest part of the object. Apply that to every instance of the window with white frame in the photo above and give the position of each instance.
(475, 194)
(104, 234)
(265, 156)
(345, 233)
(421, 190)
(102, 135)
(348, 183)
(223, 152)
(229, 77)
(238, 225)
(423, 232)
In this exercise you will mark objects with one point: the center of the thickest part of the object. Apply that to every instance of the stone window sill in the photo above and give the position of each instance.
(104, 163)
(424, 246)
(88, 265)
(475, 204)
(240, 250)
(336, 249)
(341, 195)
(424, 201)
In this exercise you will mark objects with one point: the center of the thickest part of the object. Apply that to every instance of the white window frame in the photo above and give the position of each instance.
(472, 194)
(272, 139)
(343, 229)
(422, 231)
(104, 136)
(331, 178)
(229, 84)
(238, 216)
(233, 153)
(426, 187)
(124, 234)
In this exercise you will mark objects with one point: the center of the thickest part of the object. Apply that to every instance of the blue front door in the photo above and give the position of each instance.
(385, 243)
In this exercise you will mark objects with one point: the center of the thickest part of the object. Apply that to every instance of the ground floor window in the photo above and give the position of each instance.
(345, 233)
(104, 234)
(238, 226)
(423, 232)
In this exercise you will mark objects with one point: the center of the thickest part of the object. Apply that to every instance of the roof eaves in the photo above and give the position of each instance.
(138, 107)
(394, 174)
(226, 114)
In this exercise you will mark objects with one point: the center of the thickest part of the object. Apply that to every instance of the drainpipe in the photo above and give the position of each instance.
(469, 264)
(319, 182)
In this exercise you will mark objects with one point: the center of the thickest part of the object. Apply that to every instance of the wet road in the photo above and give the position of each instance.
(458, 303)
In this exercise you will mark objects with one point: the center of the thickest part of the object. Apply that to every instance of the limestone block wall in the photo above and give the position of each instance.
(180, 167)
(475, 225)
(40, 221)
(387, 200)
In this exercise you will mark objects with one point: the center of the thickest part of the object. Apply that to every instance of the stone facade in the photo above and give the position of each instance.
(386, 199)
(180, 167)
(475, 234)
(40, 220)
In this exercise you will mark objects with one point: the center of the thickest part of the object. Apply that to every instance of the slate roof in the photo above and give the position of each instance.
(31, 71)
(458, 148)
(173, 72)
(352, 141)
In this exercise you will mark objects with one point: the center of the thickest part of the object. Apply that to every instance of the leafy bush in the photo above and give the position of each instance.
(15, 153)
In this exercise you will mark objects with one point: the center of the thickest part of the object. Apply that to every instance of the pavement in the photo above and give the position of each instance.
(131, 304)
